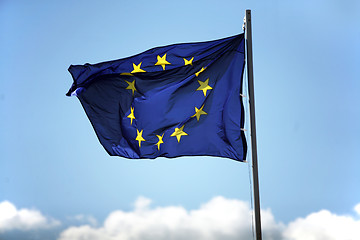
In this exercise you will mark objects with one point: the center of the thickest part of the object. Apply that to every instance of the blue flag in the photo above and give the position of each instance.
(177, 100)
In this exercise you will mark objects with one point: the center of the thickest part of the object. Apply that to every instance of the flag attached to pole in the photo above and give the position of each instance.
(177, 100)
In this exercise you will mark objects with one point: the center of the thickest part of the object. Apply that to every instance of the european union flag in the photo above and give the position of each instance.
(177, 100)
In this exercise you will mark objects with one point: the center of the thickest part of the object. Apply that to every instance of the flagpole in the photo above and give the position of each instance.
(252, 122)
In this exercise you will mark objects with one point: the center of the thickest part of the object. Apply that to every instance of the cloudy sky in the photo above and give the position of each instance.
(58, 183)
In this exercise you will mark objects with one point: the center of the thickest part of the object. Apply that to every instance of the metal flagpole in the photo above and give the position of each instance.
(252, 122)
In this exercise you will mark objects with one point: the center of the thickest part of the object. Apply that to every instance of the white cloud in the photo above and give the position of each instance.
(324, 225)
(81, 218)
(220, 218)
(357, 208)
(22, 219)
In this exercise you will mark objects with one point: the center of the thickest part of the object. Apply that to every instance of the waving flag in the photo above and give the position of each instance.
(177, 100)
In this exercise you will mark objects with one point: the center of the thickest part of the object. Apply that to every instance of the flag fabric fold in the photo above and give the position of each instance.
(171, 101)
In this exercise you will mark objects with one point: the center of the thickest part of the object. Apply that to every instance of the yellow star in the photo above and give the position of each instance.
(199, 112)
(139, 137)
(131, 115)
(201, 70)
(204, 86)
(160, 141)
(178, 133)
(188, 62)
(131, 86)
(162, 61)
(137, 68)
(126, 74)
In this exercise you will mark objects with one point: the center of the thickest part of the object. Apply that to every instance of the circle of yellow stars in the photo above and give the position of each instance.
(178, 131)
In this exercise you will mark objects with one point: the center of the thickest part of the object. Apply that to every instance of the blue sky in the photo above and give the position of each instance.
(306, 67)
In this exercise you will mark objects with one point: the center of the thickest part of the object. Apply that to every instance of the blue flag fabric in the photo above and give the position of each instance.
(171, 101)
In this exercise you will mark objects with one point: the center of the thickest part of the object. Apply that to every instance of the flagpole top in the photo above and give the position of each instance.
(247, 17)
